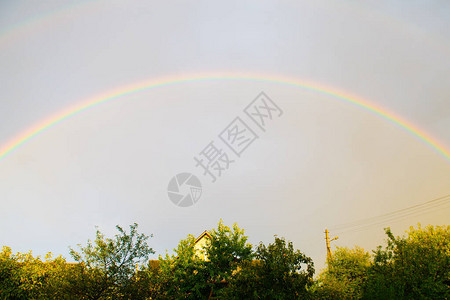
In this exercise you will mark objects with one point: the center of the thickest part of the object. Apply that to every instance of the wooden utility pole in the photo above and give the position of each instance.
(327, 238)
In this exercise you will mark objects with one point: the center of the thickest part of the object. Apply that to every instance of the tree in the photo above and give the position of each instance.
(346, 274)
(186, 275)
(23, 276)
(415, 266)
(9, 285)
(226, 251)
(279, 272)
(108, 265)
(181, 275)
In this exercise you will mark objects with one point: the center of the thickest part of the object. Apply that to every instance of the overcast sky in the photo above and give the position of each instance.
(322, 163)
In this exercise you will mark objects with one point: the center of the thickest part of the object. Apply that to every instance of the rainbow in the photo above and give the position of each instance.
(120, 93)
(40, 22)
(62, 14)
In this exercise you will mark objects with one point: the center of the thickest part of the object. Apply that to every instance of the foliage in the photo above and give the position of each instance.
(226, 251)
(416, 266)
(279, 272)
(182, 274)
(23, 276)
(106, 269)
(107, 266)
(186, 275)
(346, 274)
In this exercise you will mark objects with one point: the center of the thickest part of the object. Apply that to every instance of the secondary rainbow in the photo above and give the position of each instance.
(120, 93)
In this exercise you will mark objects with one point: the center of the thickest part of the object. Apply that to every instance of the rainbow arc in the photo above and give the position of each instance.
(124, 91)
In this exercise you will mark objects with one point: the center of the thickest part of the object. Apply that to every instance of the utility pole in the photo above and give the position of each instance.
(327, 238)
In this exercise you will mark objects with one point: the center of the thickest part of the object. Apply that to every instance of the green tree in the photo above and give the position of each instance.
(279, 272)
(9, 283)
(346, 274)
(181, 275)
(23, 276)
(415, 266)
(107, 266)
(186, 275)
(226, 251)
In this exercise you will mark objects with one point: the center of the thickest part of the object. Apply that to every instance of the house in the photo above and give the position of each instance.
(200, 243)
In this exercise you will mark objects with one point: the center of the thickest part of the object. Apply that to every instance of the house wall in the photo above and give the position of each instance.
(199, 247)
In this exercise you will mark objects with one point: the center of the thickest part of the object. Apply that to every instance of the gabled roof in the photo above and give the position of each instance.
(205, 233)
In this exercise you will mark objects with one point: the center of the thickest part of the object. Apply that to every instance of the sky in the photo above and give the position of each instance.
(181, 73)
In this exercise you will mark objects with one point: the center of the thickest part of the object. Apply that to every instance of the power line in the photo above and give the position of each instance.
(414, 207)
(393, 216)
(391, 220)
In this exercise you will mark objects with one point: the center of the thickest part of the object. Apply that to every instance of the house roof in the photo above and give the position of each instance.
(205, 233)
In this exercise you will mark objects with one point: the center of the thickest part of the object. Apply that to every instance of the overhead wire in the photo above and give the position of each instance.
(394, 216)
